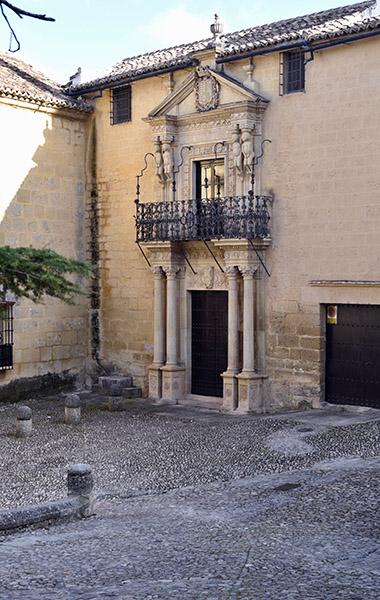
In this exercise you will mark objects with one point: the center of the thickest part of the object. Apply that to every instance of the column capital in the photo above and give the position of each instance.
(231, 272)
(248, 271)
(157, 271)
(181, 272)
(171, 272)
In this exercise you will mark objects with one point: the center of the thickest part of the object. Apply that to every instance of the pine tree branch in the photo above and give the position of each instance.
(31, 273)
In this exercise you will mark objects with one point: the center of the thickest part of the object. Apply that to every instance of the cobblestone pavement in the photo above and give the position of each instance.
(258, 508)
(311, 534)
(149, 448)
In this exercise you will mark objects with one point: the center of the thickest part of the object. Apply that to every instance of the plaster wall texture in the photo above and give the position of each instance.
(322, 171)
(42, 203)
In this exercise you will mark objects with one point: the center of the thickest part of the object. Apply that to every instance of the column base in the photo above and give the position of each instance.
(155, 382)
(230, 392)
(250, 393)
(173, 384)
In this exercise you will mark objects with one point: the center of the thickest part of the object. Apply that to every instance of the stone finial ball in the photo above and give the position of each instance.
(72, 401)
(24, 413)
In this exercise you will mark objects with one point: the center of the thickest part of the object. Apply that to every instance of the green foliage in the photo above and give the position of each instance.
(32, 272)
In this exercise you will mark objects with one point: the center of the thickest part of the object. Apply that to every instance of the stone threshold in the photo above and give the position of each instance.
(210, 402)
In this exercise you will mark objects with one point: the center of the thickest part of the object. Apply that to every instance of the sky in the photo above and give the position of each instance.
(96, 34)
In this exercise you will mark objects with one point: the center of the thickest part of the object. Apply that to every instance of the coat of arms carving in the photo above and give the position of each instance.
(206, 90)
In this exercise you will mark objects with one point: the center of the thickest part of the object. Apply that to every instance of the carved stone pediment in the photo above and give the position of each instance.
(203, 90)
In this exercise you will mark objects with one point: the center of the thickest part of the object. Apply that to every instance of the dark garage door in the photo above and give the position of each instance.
(353, 356)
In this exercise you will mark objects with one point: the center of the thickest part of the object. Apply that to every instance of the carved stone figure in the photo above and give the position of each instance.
(247, 149)
(167, 160)
(159, 161)
(236, 152)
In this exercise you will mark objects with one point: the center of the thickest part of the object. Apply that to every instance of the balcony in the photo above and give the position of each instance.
(234, 217)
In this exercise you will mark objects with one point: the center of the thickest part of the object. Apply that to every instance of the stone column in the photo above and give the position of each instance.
(182, 316)
(155, 375)
(229, 376)
(171, 317)
(172, 372)
(249, 321)
(250, 394)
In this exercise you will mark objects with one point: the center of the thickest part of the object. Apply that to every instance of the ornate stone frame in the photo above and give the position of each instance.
(203, 152)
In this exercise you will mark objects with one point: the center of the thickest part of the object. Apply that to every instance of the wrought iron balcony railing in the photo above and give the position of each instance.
(244, 217)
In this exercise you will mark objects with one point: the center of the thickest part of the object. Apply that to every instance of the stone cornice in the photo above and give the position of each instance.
(343, 283)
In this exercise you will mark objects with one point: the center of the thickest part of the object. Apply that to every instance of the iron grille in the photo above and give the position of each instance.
(6, 335)
(121, 107)
(243, 217)
(292, 72)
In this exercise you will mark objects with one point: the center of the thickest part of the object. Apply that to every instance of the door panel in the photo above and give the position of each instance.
(209, 342)
(353, 356)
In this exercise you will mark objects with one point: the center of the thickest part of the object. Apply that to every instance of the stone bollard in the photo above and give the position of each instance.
(115, 403)
(80, 483)
(115, 399)
(23, 422)
(72, 409)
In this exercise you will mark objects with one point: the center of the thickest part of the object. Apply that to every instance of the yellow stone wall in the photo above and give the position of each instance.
(322, 169)
(42, 203)
(127, 283)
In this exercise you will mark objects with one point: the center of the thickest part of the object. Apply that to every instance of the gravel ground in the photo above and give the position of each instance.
(306, 535)
(147, 449)
(278, 507)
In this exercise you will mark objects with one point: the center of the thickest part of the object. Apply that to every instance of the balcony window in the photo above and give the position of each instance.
(209, 179)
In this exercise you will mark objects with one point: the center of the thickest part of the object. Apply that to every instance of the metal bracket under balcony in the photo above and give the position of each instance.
(234, 217)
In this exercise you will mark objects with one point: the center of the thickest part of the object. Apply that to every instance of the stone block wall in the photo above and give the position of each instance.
(42, 204)
(322, 169)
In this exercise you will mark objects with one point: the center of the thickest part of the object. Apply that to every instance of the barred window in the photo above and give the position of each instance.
(6, 335)
(121, 105)
(292, 72)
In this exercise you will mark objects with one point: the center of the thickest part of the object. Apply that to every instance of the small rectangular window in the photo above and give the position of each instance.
(121, 106)
(292, 72)
(6, 335)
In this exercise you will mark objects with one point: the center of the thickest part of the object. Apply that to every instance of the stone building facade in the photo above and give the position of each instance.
(245, 168)
(249, 242)
(42, 199)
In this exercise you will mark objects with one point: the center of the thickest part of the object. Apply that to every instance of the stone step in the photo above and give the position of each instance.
(113, 385)
(132, 392)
